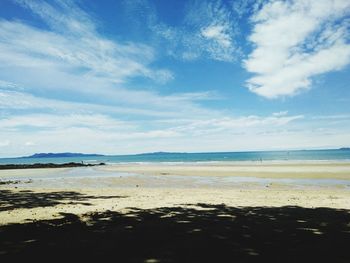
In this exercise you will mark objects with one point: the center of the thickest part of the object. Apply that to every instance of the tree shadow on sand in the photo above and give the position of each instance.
(194, 233)
(10, 200)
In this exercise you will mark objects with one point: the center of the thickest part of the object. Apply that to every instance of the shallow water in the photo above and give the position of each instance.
(92, 177)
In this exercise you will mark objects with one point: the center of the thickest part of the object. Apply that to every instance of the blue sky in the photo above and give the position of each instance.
(119, 77)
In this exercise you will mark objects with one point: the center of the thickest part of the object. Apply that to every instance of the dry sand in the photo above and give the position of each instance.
(28, 202)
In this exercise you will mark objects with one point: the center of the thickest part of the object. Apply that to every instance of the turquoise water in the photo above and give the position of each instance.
(304, 155)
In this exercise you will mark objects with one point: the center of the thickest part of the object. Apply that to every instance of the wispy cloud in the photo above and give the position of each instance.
(280, 113)
(100, 132)
(70, 59)
(4, 143)
(295, 41)
(73, 44)
(243, 124)
(246, 7)
(52, 122)
(218, 34)
(345, 117)
(207, 32)
(143, 104)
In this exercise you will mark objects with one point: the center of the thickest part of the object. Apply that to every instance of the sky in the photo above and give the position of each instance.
(124, 77)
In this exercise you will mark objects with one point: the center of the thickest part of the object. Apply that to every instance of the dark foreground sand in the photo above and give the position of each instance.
(128, 220)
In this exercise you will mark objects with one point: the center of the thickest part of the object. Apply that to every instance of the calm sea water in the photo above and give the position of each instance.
(304, 155)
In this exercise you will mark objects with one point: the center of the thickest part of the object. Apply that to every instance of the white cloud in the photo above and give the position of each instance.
(73, 45)
(29, 143)
(4, 143)
(345, 117)
(8, 85)
(280, 113)
(218, 34)
(51, 121)
(207, 31)
(73, 62)
(139, 104)
(244, 7)
(242, 124)
(295, 41)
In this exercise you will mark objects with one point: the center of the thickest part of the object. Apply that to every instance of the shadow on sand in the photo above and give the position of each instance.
(10, 200)
(192, 233)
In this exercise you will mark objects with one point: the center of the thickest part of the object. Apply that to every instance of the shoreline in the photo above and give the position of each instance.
(267, 161)
(46, 165)
(325, 170)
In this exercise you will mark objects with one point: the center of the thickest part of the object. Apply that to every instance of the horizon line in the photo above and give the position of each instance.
(166, 152)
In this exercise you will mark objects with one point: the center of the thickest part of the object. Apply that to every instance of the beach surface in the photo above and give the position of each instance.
(188, 212)
(121, 186)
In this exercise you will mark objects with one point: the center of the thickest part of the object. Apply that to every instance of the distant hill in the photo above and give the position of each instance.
(54, 155)
(345, 149)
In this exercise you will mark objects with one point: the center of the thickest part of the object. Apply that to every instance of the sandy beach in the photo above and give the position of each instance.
(146, 186)
(41, 196)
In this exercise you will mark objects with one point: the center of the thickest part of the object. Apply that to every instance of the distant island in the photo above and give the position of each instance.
(345, 149)
(66, 154)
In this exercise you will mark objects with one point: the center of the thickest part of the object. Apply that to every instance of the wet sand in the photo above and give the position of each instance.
(268, 169)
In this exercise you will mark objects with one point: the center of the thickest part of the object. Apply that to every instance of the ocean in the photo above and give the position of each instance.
(260, 156)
